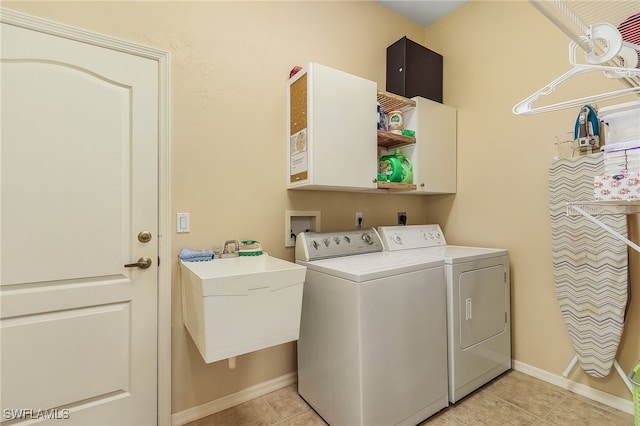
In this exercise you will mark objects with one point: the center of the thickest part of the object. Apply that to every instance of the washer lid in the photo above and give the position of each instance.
(371, 266)
(456, 254)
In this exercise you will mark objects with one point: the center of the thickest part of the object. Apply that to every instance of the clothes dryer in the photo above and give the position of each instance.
(478, 303)
(372, 347)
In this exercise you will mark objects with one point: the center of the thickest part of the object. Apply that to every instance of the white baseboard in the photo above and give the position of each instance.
(578, 388)
(217, 405)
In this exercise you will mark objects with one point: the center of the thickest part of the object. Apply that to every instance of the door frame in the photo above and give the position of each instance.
(162, 58)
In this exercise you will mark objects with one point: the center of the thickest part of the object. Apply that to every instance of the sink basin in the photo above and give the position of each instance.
(241, 274)
(241, 304)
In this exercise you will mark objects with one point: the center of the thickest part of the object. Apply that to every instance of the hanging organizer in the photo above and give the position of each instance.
(590, 258)
(609, 35)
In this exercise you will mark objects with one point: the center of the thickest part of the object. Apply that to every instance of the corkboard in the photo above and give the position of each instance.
(298, 105)
(298, 117)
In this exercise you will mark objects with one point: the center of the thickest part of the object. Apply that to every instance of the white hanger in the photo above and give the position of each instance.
(526, 106)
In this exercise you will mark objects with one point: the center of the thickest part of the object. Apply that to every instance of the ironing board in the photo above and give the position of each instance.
(590, 266)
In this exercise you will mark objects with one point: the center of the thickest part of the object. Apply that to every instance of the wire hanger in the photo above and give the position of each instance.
(615, 48)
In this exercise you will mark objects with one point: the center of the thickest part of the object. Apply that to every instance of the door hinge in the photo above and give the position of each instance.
(158, 261)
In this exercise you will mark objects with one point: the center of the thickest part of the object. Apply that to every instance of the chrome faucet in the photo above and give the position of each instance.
(225, 249)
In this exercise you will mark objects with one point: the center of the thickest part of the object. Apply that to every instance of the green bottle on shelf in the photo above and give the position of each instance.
(407, 169)
(396, 168)
(391, 168)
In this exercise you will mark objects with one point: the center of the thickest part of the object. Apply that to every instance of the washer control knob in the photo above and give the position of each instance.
(347, 239)
(367, 239)
(397, 239)
(326, 242)
(315, 244)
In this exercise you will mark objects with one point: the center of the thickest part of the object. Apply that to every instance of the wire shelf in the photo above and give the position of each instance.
(575, 17)
(597, 208)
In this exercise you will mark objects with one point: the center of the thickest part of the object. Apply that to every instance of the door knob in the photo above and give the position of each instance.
(143, 262)
(144, 236)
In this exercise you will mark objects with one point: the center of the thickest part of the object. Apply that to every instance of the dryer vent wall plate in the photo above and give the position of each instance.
(296, 222)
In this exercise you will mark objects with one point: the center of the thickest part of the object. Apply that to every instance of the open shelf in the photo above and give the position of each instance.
(390, 101)
(391, 140)
(397, 186)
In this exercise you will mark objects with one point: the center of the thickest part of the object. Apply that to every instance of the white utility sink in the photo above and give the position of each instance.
(241, 304)
(241, 274)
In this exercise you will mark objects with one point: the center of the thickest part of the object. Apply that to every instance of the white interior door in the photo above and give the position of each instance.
(79, 182)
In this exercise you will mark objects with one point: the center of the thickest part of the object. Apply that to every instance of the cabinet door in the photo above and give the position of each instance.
(435, 123)
(339, 111)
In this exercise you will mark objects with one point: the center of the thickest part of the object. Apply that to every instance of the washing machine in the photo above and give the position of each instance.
(478, 303)
(372, 347)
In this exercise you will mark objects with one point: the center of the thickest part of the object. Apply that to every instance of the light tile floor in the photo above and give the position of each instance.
(512, 399)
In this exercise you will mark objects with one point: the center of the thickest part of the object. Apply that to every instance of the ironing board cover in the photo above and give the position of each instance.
(589, 266)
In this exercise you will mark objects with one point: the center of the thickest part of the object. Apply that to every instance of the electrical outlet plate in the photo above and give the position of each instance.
(400, 215)
(299, 221)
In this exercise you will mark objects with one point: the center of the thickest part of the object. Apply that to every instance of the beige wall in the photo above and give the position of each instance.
(230, 63)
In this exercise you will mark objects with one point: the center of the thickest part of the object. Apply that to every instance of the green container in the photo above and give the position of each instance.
(391, 166)
(634, 376)
(407, 169)
(396, 168)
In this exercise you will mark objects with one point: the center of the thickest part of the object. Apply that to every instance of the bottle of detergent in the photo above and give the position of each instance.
(407, 169)
(396, 167)
(391, 168)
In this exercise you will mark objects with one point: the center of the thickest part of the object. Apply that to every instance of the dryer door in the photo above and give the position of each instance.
(482, 304)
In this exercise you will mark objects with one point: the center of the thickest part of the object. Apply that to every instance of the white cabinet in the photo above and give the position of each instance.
(332, 130)
(434, 156)
(334, 144)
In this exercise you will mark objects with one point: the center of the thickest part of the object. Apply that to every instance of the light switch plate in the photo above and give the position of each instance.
(183, 222)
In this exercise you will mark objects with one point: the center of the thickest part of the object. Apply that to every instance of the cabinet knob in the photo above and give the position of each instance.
(422, 185)
(375, 181)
